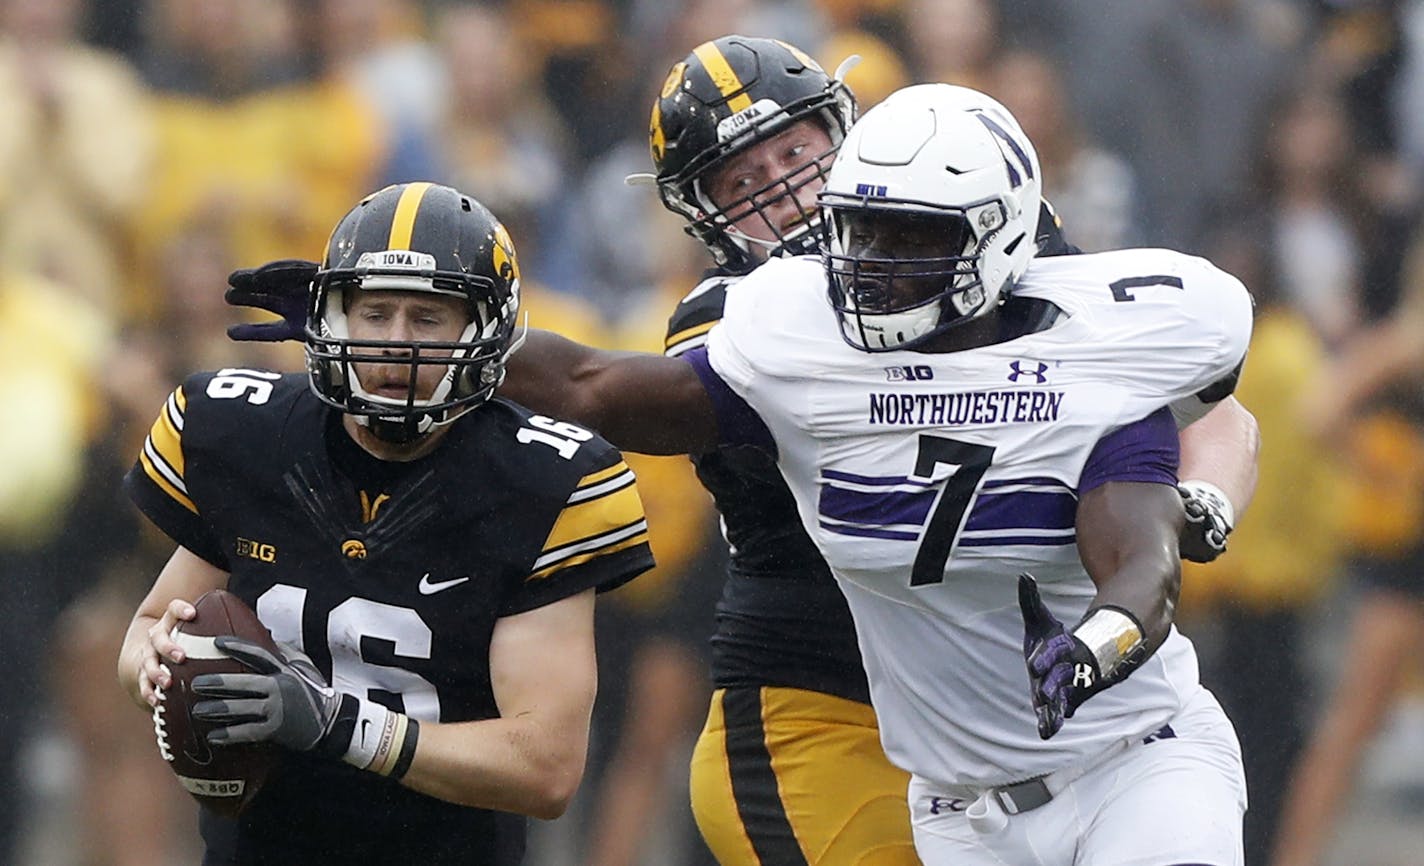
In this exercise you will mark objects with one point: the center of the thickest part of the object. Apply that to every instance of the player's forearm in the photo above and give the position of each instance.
(1127, 538)
(549, 374)
(1221, 448)
(638, 401)
(514, 765)
(1147, 588)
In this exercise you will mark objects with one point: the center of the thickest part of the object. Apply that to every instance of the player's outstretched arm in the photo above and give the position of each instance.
(147, 644)
(1219, 455)
(1127, 538)
(640, 402)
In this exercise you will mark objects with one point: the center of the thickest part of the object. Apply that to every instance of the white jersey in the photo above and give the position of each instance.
(931, 481)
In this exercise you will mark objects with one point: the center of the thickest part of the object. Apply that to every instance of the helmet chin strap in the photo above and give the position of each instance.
(396, 431)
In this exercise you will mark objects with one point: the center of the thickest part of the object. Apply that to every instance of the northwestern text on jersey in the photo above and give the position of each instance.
(1015, 406)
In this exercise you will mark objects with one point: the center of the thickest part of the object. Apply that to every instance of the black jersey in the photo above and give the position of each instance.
(782, 620)
(390, 575)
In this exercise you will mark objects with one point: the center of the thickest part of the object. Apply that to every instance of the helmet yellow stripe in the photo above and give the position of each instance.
(722, 75)
(403, 223)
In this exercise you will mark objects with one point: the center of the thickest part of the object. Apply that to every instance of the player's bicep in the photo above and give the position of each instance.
(542, 665)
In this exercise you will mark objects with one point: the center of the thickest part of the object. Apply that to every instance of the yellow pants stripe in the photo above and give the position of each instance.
(792, 776)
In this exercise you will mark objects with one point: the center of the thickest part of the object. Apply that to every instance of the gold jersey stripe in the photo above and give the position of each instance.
(689, 333)
(403, 223)
(722, 75)
(579, 559)
(158, 478)
(166, 435)
(167, 440)
(596, 516)
(602, 475)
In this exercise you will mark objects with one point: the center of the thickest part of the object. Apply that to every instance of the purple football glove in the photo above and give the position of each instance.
(282, 287)
(1062, 672)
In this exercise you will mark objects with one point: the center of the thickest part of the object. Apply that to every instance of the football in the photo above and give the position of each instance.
(223, 778)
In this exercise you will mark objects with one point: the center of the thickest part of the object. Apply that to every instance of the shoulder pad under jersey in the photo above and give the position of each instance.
(697, 312)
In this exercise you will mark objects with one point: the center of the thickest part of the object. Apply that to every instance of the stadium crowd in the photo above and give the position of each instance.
(149, 147)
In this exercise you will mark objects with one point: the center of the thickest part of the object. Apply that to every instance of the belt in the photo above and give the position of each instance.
(1018, 797)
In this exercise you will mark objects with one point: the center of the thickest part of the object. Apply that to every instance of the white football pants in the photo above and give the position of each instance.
(1171, 800)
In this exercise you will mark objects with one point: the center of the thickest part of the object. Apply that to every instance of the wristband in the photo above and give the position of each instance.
(1114, 637)
(379, 739)
(407, 750)
(370, 726)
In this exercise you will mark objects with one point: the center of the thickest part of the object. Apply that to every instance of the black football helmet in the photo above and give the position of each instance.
(726, 96)
(416, 237)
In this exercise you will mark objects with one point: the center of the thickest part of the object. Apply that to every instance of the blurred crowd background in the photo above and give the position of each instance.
(148, 147)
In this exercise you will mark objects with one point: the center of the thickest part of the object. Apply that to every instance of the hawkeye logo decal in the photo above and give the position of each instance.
(674, 79)
(505, 264)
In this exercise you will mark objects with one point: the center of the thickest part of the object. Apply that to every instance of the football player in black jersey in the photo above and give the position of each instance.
(788, 768)
(432, 549)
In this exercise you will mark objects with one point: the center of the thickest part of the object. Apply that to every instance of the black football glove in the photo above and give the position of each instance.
(1062, 671)
(286, 701)
(1209, 521)
(282, 287)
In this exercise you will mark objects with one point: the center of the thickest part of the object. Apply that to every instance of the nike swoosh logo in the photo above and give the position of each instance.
(365, 723)
(428, 588)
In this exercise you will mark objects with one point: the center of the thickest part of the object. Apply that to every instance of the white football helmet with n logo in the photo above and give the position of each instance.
(950, 156)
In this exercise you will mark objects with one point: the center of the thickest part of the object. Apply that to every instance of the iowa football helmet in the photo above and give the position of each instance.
(417, 237)
(952, 166)
(726, 96)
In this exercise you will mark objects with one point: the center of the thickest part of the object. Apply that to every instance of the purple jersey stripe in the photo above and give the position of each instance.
(1023, 510)
(875, 509)
(876, 480)
(864, 532)
(1009, 540)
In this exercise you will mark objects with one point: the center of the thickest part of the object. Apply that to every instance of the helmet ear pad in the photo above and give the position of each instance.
(999, 268)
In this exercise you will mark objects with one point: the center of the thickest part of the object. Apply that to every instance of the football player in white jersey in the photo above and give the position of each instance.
(988, 418)
(983, 446)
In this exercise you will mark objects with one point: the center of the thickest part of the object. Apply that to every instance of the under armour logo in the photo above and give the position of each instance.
(1038, 370)
(1083, 676)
